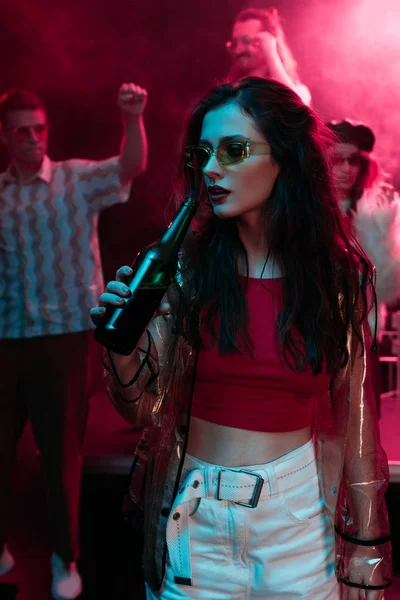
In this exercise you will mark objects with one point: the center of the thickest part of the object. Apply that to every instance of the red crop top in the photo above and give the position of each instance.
(260, 393)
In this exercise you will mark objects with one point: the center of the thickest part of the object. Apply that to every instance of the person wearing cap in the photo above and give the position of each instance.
(373, 205)
(369, 200)
(354, 167)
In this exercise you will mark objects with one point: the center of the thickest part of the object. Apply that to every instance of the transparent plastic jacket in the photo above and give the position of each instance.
(352, 464)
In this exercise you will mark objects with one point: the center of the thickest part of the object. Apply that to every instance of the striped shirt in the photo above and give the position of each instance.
(50, 269)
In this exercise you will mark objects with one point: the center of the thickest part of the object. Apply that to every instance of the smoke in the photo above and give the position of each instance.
(76, 54)
(349, 55)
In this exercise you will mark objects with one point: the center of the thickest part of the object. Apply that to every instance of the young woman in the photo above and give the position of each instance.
(261, 436)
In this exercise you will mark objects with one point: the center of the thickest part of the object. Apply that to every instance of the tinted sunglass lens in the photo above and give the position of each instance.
(231, 153)
(197, 158)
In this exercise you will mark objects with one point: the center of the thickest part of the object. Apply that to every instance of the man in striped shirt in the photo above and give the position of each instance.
(50, 275)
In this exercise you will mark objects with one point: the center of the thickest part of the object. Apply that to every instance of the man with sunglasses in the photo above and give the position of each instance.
(50, 275)
(258, 47)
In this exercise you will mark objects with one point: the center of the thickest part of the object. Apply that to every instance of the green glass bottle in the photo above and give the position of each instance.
(153, 270)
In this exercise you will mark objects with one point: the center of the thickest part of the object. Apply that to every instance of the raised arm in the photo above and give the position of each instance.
(133, 153)
(276, 68)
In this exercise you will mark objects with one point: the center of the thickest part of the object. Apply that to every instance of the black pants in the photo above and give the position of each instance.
(44, 379)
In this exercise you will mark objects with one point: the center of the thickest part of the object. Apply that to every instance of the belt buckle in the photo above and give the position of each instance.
(256, 492)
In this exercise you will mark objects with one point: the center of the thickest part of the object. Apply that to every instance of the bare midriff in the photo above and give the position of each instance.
(231, 446)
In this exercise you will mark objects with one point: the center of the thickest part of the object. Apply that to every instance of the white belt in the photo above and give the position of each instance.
(239, 486)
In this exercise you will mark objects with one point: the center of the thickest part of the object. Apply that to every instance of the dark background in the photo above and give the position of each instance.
(76, 53)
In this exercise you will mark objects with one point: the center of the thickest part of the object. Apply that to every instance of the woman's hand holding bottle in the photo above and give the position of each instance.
(114, 295)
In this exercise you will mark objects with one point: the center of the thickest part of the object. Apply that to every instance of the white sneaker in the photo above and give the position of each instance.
(6, 561)
(67, 583)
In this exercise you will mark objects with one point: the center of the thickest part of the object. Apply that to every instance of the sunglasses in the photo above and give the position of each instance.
(245, 40)
(24, 133)
(227, 153)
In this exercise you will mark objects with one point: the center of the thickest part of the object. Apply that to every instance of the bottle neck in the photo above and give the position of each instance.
(174, 234)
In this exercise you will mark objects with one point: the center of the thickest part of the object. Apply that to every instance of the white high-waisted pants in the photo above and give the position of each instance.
(283, 549)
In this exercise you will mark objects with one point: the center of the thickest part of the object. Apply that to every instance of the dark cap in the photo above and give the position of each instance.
(353, 132)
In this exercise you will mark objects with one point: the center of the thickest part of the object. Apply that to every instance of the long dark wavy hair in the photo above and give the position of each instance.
(306, 234)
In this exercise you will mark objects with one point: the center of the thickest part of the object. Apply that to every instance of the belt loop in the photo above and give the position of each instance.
(209, 479)
(271, 480)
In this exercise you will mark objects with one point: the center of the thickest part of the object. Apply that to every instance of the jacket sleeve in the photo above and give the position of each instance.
(136, 400)
(362, 528)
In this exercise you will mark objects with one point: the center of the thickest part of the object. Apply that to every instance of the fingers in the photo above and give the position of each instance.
(263, 35)
(131, 94)
(115, 294)
(116, 299)
(96, 313)
(123, 273)
(266, 39)
(130, 89)
(109, 298)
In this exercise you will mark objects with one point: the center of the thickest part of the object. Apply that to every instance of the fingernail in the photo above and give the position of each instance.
(102, 309)
(126, 290)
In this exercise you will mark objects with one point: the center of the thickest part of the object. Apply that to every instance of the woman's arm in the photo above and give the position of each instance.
(132, 381)
(364, 526)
